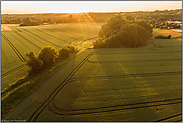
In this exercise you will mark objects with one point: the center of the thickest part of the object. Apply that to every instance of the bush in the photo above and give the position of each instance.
(34, 63)
(161, 27)
(64, 53)
(162, 37)
(99, 43)
(48, 55)
(72, 49)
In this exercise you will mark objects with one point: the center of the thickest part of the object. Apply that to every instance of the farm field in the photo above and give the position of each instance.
(19, 40)
(166, 32)
(123, 84)
(5, 27)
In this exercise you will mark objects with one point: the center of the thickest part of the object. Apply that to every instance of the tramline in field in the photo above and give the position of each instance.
(19, 40)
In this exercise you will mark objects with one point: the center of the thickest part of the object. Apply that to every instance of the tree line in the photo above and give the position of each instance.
(47, 58)
(152, 17)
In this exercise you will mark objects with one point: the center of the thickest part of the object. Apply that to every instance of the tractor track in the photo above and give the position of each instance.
(170, 118)
(14, 48)
(115, 108)
(132, 61)
(11, 71)
(61, 34)
(74, 39)
(38, 47)
(127, 75)
(53, 36)
(45, 104)
(41, 38)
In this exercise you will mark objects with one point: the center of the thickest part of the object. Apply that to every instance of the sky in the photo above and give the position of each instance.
(29, 7)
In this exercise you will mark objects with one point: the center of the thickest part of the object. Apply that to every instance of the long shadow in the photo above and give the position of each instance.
(56, 91)
(107, 70)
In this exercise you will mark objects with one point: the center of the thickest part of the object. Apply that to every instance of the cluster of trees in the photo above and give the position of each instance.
(47, 57)
(152, 17)
(32, 21)
(28, 22)
(119, 32)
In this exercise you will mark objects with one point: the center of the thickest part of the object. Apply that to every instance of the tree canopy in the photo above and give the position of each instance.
(118, 32)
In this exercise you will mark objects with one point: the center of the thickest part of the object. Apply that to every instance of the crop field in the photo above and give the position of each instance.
(18, 41)
(122, 84)
(166, 32)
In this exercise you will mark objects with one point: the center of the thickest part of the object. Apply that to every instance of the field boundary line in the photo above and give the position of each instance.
(14, 48)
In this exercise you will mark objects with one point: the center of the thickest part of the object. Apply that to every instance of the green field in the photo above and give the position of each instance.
(20, 40)
(139, 84)
(112, 84)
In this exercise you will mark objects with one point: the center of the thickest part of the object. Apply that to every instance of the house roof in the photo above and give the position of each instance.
(175, 21)
(171, 25)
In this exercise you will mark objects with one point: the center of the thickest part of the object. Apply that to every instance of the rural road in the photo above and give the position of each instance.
(128, 84)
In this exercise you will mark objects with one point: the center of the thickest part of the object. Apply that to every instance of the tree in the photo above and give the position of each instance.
(112, 25)
(64, 53)
(18, 20)
(48, 55)
(130, 18)
(26, 21)
(146, 26)
(128, 35)
(34, 63)
(49, 20)
(117, 32)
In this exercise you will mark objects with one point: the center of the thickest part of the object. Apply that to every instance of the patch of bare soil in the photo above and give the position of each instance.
(4, 27)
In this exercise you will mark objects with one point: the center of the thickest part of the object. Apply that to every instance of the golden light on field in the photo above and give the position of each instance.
(20, 7)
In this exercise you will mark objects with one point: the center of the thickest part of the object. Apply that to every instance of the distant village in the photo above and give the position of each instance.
(171, 24)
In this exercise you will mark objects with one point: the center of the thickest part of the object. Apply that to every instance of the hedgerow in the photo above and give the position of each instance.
(162, 37)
